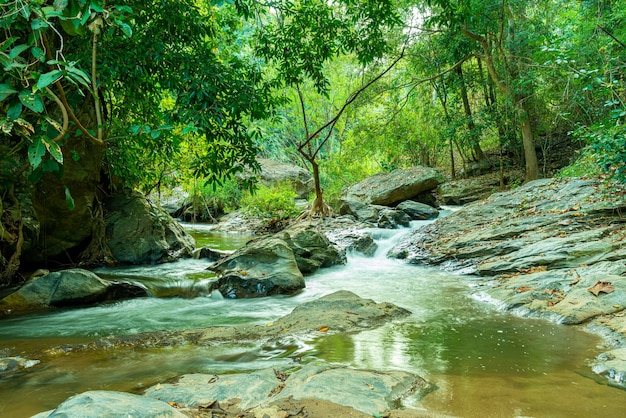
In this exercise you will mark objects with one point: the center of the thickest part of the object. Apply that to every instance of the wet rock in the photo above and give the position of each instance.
(355, 241)
(361, 211)
(395, 186)
(72, 287)
(392, 219)
(612, 365)
(10, 365)
(418, 211)
(341, 311)
(263, 267)
(311, 248)
(210, 254)
(139, 232)
(100, 403)
(370, 392)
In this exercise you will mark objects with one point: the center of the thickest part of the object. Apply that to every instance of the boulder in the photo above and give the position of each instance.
(361, 211)
(101, 403)
(139, 232)
(395, 186)
(311, 248)
(68, 288)
(392, 219)
(418, 211)
(263, 267)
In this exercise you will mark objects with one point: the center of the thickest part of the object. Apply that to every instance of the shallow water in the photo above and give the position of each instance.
(484, 362)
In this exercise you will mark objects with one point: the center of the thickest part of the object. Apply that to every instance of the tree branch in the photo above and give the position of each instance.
(63, 112)
(331, 123)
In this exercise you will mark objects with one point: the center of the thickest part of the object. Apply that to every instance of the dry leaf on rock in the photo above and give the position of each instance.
(601, 287)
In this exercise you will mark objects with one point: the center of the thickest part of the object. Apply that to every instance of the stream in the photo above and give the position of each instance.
(483, 361)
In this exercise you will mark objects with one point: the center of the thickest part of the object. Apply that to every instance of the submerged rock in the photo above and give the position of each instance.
(72, 287)
(263, 267)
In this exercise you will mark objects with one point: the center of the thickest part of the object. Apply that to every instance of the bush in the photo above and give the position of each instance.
(276, 202)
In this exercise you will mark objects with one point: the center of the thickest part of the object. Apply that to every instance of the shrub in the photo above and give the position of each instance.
(275, 202)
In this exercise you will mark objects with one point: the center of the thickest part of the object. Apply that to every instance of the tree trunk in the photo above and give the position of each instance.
(477, 151)
(528, 140)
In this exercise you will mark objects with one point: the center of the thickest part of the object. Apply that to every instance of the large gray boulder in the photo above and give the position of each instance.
(101, 403)
(139, 232)
(311, 248)
(395, 186)
(263, 267)
(68, 288)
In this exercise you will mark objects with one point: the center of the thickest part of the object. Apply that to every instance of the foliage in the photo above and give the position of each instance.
(271, 202)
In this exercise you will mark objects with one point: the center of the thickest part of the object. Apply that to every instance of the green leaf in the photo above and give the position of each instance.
(5, 91)
(124, 9)
(126, 29)
(38, 54)
(155, 134)
(31, 101)
(36, 151)
(38, 24)
(18, 50)
(49, 78)
(69, 200)
(55, 151)
(7, 43)
(14, 111)
(79, 76)
(96, 7)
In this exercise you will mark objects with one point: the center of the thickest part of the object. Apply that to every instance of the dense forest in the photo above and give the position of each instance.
(96, 96)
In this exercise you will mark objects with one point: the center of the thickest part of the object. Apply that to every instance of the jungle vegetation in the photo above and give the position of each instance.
(156, 94)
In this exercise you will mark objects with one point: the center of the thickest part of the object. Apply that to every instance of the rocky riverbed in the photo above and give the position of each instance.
(554, 248)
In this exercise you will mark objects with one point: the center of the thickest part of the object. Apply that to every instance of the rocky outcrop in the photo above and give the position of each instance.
(318, 380)
(74, 287)
(553, 247)
(396, 186)
(263, 267)
(101, 403)
(139, 232)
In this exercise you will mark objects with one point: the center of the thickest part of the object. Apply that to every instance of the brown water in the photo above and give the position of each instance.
(484, 362)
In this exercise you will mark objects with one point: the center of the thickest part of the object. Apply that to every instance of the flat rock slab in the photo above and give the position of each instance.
(341, 311)
(101, 403)
(369, 392)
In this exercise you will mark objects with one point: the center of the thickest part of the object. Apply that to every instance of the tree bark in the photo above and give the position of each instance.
(479, 155)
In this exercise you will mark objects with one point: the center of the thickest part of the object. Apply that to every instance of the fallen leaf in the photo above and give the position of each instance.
(323, 329)
(601, 287)
(523, 289)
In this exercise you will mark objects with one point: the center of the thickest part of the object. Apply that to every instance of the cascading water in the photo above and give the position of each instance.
(484, 362)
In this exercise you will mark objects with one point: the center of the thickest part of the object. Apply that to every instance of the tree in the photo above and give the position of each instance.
(301, 38)
(494, 26)
(87, 80)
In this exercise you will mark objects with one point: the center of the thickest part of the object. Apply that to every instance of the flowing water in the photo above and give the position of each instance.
(484, 362)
